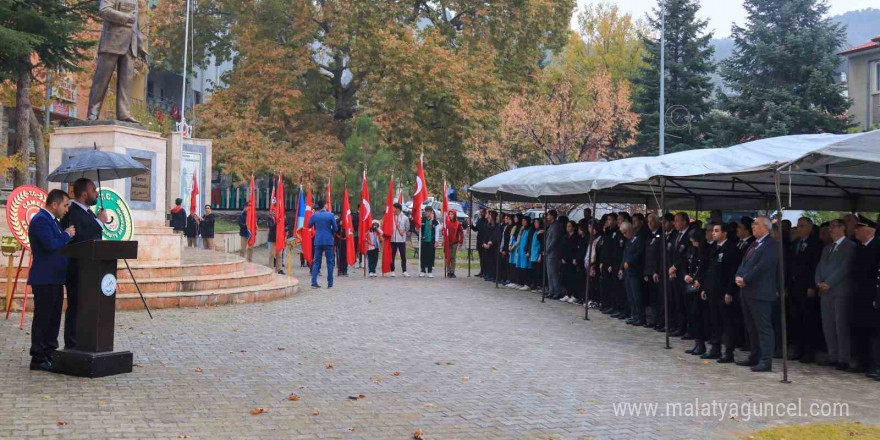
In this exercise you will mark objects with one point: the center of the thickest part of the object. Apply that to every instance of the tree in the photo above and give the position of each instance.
(38, 34)
(688, 83)
(611, 41)
(782, 73)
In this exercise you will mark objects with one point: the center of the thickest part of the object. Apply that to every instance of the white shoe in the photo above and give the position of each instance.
(421, 274)
(393, 275)
(524, 288)
(509, 285)
(430, 275)
(565, 298)
(406, 274)
(572, 300)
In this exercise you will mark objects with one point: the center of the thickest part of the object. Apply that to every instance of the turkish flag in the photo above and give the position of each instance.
(306, 234)
(366, 213)
(388, 221)
(329, 203)
(420, 196)
(443, 213)
(280, 230)
(251, 218)
(349, 229)
(193, 194)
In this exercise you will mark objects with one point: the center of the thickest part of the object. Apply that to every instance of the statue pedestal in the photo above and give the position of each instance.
(145, 194)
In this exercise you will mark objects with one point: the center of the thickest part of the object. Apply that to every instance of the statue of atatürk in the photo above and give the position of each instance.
(123, 40)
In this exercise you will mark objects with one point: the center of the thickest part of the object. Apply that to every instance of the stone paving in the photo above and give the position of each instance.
(473, 362)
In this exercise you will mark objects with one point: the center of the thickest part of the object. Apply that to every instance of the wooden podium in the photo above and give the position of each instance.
(96, 311)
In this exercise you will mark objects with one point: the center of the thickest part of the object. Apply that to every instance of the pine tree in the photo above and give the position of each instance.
(781, 73)
(688, 84)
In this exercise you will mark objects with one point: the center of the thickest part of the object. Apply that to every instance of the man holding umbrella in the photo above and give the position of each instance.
(88, 226)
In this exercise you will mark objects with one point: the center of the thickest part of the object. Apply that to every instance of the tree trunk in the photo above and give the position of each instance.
(23, 112)
(40, 161)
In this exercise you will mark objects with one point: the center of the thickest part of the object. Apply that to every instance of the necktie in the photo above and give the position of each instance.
(752, 249)
(834, 248)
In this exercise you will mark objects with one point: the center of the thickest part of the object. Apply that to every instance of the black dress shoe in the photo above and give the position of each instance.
(842, 366)
(648, 325)
(807, 358)
(726, 358)
(316, 286)
(826, 363)
(640, 323)
(676, 333)
(615, 315)
(42, 366)
(762, 367)
(699, 349)
(623, 316)
(748, 363)
(660, 329)
(687, 337)
(873, 373)
(714, 353)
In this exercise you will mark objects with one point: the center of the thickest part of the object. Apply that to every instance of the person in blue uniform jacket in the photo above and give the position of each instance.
(47, 276)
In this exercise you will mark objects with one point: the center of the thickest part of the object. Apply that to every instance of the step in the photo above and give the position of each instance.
(251, 275)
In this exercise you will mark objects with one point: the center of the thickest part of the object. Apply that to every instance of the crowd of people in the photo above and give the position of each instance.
(723, 284)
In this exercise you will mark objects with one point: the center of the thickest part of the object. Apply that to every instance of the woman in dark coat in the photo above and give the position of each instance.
(698, 308)
(866, 300)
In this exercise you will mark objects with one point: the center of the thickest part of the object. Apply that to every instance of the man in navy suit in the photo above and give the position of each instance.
(325, 225)
(88, 227)
(758, 280)
(46, 278)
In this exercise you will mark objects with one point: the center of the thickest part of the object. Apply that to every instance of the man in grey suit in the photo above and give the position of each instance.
(833, 280)
(758, 280)
(123, 40)
(553, 248)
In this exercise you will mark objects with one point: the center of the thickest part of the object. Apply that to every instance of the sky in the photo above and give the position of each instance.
(722, 13)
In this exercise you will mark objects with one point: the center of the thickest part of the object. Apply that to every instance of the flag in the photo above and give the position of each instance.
(300, 211)
(329, 203)
(366, 213)
(350, 256)
(306, 233)
(388, 221)
(193, 194)
(420, 196)
(272, 202)
(251, 218)
(280, 230)
(443, 212)
(400, 198)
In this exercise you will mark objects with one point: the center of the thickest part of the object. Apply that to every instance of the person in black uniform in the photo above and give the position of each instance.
(480, 228)
(610, 258)
(806, 322)
(206, 228)
(178, 216)
(680, 249)
(720, 292)
(88, 226)
(192, 229)
(652, 271)
(744, 234)
(632, 271)
(865, 309)
(490, 247)
(695, 280)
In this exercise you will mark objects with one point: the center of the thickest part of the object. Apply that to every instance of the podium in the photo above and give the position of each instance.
(96, 311)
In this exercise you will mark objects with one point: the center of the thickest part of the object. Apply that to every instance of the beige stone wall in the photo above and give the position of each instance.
(858, 87)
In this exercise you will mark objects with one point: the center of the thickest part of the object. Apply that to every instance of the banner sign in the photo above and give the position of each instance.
(120, 226)
(23, 204)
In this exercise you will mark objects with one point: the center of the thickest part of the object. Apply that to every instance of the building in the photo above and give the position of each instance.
(863, 83)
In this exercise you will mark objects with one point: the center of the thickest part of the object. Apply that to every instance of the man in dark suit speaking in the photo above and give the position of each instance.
(46, 278)
(88, 227)
(758, 280)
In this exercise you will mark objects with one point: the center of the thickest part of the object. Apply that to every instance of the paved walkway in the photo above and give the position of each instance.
(473, 362)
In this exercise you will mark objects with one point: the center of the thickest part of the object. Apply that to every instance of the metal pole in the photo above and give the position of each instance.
(470, 231)
(183, 87)
(663, 79)
(544, 260)
(781, 265)
(138, 288)
(587, 262)
(498, 253)
(665, 275)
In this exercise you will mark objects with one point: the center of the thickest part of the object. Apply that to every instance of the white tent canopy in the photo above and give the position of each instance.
(822, 171)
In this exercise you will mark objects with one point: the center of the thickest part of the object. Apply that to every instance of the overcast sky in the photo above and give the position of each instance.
(722, 13)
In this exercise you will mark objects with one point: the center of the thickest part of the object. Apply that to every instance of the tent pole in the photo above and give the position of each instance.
(782, 295)
(587, 261)
(498, 254)
(665, 275)
(470, 230)
(544, 260)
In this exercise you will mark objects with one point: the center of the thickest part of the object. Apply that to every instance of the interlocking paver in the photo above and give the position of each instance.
(532, 371)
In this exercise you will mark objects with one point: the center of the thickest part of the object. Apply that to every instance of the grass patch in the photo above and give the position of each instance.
(222, 225)
(824, 431)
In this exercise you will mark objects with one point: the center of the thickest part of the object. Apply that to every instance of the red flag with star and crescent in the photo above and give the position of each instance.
(350, 256)
(420, 195)
(366, 213)
(280, 220)
(251, 218)
(306, 234)
(388, 225)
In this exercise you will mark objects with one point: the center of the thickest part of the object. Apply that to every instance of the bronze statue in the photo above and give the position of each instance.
(123, 41)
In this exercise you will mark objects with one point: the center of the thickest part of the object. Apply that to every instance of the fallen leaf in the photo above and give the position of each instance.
(417, 434)
(361, 397)
(330, 365)
(395, 373)
(256, 411)
(152, 348)
(102, 403)
(465, 378)
(429, 405)
(198, 369)
(46, 397)
(234, 329)
(61, 422)
(293, 397)
(281, 349)
(182, 436)
(581, 410)
(315, 412)
(705, 362)
(242, 351)
(494, 368)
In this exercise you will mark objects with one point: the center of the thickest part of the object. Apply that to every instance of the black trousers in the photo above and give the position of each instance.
(537, 274)
(501, 262)
(481, 254)
(606, 289)
(759, 323)
(427, 259)
(594, 289)
(48, 300)
(72, 286)
(489, 261)
(655, 292)
(372, 260)
(341, 258)
(806, 321)
(699, 317)
(395, 248)
(678, 305)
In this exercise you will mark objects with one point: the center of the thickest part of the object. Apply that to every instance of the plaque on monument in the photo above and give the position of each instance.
(140, 185)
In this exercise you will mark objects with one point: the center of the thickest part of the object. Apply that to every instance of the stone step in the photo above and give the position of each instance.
(279, 286)
(251, 275)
